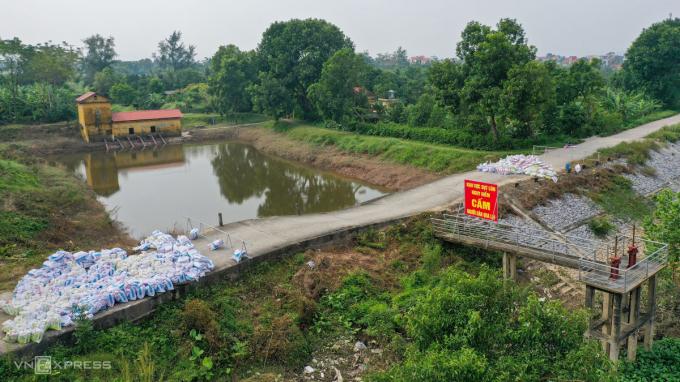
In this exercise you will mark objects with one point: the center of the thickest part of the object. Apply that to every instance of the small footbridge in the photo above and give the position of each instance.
(619, 319)
(591, 258)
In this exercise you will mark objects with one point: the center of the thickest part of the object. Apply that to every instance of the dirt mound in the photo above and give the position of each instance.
(325, 271)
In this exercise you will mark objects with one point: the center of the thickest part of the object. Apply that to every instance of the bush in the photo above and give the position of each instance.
(198, 315)
(662, 363)
(600, 226)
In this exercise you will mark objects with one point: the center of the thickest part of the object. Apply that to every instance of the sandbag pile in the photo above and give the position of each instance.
(520, 164)
(71, 285)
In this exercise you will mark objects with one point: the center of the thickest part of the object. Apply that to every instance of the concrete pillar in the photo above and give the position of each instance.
(651, 311)
(615, 330)
(513, 267)
(506, 266)
(606, 316)
(633, 316)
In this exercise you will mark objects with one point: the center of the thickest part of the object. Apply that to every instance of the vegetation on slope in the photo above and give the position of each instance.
(434, 157)
(45, 208)
(439, 313)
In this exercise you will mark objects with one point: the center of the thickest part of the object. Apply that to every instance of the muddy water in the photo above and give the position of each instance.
(157, 188)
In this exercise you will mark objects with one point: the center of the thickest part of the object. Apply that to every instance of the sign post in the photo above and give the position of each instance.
(481, 200)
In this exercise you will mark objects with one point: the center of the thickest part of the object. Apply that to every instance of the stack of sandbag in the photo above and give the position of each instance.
(82, 284)
(520, 164)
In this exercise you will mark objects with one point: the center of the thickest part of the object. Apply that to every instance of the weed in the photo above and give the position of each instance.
(547, 277)
(619, 199)
(600, 226)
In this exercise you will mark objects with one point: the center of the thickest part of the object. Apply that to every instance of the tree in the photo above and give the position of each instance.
(528, 98)
(232, 72)
(49, 63)
(100, 55)
(293, 53)
(652, 62)
(338, 95)
(123, 93)
(487, 57)
(446, 78)
(104, 80)
(270, 96)
(664, 224)
(173, 54)
(12, 67)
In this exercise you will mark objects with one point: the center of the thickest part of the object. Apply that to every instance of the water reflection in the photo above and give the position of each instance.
(243, 172)
(153, 189)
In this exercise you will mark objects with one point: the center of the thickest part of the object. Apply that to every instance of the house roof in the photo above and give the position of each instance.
(85, 96)
(143, 115)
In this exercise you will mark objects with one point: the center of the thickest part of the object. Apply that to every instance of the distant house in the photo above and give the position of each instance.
(390, 100)
(97, 122)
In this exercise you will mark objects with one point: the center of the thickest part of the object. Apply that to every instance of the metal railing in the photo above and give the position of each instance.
(204, 230)
(589, 257)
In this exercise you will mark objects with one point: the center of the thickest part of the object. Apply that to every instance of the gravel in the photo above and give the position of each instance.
(565, 211)
(666, 163)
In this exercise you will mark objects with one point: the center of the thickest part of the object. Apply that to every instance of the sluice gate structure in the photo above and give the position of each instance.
(621, 317)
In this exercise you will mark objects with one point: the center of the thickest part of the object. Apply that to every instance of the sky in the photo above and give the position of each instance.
(422, 27)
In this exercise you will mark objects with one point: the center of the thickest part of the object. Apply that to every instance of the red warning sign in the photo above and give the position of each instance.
(481, 200)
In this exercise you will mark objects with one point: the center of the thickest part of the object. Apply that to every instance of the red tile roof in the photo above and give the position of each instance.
(85, 96)
(143, 115)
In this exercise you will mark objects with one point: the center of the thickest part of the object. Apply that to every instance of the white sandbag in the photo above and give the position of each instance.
(70, 285)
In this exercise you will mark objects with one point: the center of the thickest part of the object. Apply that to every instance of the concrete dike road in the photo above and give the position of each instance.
(273, 237)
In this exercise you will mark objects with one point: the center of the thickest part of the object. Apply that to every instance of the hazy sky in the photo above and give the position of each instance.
(428, 27)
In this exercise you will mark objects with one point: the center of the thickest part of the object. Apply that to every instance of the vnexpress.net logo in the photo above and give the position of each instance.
(42, 365)
(45, 365)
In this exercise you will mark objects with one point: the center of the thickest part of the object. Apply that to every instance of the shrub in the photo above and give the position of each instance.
(600, 226)
(198, 315)
(662, 363)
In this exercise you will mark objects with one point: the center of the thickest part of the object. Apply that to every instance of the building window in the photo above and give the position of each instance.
(131, 131)
(153, 129)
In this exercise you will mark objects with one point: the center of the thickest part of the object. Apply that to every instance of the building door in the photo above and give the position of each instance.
(153, 129)
(131, 131)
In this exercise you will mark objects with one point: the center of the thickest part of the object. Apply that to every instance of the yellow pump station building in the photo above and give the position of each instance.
(98, 123)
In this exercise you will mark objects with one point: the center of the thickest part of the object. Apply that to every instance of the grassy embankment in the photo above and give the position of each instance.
(44, 207)
(430, 310)
(433, 157)
(200, 120)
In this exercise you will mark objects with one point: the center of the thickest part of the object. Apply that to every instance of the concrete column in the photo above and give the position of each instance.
(606, 316)
(506, 266)
(590, 297)
(633, 316)
(651, 310)
(513, 267)
(615, 331)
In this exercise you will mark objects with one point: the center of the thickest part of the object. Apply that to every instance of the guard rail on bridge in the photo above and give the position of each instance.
(205, 230)
(589, 257)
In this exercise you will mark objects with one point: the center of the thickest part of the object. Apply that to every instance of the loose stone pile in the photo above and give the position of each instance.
(565, 211)
(82, 284)
(666, 163)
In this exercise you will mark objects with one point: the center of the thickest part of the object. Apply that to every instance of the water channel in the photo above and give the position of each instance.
(158, 188)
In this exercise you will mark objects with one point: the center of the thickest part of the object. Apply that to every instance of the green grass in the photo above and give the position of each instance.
(16, 177)
(619, 199)
(637, 152)
(433, 157)
(655, 116)
(198, 120)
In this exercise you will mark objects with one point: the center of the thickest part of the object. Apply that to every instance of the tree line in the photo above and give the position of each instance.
(38, 83)
(493, 93)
